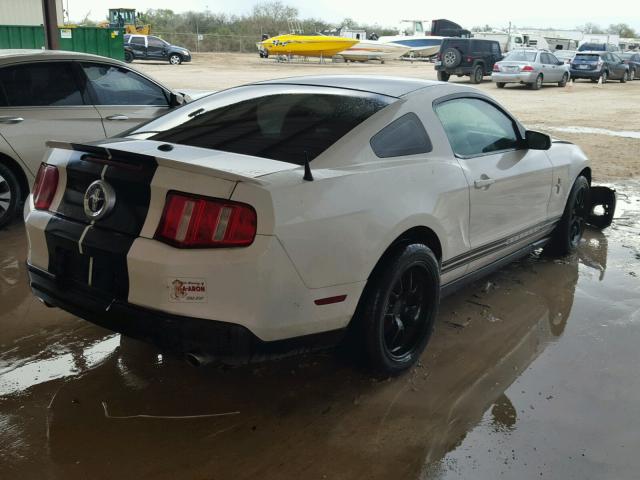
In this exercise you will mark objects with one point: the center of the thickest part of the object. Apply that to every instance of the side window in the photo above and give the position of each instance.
(42, 84)
(404, 136)
(476, 127)
(155, 42)
(137, 41)
(118, 86)
(553, 60)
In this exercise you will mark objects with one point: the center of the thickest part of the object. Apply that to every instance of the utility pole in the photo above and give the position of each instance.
(50, 23)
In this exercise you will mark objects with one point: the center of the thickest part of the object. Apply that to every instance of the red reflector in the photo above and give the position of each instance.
(189, 221)
(329, 300)
(45, 186)
(527, 68)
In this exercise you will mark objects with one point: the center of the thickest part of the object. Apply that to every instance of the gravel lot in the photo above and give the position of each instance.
(613, 107)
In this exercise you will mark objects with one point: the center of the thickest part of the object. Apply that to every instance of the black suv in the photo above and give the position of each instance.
(148, 47)
(467, 56)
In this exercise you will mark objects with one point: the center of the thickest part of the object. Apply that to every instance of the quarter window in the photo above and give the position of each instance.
(475, 127)
(40, 84)
(119, 86)
(137, 40)
(403, 136)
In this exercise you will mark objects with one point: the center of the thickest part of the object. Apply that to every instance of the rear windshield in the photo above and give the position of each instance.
(587, 58)
(287, 127)
(592, 46)
(521, 56)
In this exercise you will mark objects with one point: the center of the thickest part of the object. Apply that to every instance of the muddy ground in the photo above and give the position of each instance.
(531, 372)
(613, 106)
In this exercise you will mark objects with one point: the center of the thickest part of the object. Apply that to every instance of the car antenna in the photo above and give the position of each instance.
(307, 169)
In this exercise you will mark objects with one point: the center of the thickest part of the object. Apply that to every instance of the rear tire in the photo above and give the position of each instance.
(632, 74)
(604, 77)
(396, 313)
(128, 57)
(537, 84)
(443, 76)
(10, 195)
(563, 83)
(500, 84)
(567, 234)
(476, 74)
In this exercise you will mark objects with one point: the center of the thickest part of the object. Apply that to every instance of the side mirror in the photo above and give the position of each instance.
(176, 99)
(537, 140)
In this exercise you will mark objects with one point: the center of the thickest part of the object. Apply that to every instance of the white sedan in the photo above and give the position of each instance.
(298, 209)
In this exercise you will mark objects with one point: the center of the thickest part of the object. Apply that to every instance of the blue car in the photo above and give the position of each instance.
(599, 65)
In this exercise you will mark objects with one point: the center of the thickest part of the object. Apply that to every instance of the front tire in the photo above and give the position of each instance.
(10, 195)
(476, 75)
(563, 83)
(624, 77)
(398, 309)
(443, 76)
(175, 59)
(567, 234)
(632, 74)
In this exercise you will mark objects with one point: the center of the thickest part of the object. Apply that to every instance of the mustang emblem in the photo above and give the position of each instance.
(99, 200)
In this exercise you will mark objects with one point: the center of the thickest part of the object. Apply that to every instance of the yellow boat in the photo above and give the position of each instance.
(306, 45)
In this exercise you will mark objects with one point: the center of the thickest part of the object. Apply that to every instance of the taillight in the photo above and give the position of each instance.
(469, 59)
(496, 68)
(189, 221)
(45, 186)
(527, 68)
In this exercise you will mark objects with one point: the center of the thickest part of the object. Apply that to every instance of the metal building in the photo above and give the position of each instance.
(25, 12)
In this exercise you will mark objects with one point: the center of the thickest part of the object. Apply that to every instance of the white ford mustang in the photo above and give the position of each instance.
(288, 210)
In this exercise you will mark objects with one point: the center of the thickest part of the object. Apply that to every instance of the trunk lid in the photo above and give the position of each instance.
(129, 166)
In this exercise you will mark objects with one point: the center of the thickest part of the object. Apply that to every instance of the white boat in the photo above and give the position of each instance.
(414, 34)
(423, 46)
(373, 50)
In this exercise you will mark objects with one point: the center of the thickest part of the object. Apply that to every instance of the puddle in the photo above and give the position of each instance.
(530, 372)
(592, 130)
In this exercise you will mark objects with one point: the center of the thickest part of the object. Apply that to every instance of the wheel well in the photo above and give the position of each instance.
(586, 173)
(416, 234)
(10, 163)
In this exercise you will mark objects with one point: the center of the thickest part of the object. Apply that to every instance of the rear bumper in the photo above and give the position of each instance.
(172, 332)
(585, 73)
(514, 77)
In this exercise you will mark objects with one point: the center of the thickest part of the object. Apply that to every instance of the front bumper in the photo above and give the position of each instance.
(177, 333)
(503, 77)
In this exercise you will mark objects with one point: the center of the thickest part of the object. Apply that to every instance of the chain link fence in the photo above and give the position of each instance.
(211, 42)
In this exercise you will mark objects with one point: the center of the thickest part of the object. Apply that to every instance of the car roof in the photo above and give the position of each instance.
(25, 55)
(382, 85)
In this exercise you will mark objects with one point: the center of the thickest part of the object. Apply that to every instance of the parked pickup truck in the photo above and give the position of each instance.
(148, 47)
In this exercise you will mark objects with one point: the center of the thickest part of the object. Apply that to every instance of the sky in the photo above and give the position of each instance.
(468, 13)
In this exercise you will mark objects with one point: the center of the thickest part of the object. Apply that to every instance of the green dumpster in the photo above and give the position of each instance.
(107, 42)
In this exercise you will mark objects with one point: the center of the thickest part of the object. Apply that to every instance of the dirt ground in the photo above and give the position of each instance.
(531, 372)
(613, 106)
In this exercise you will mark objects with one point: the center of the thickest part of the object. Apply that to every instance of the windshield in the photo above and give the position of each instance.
(290, 127)
(521, 56)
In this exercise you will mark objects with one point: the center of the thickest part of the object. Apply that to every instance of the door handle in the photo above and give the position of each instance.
(117, 117)
(11, 120)
(484, 182)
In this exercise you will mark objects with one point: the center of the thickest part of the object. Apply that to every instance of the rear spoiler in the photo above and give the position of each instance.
(133, 161)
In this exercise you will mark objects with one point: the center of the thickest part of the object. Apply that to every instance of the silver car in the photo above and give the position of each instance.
(531, 68)
(70, 96)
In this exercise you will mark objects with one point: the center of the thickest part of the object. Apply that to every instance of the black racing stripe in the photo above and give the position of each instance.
(101, 261)
(490, 248)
